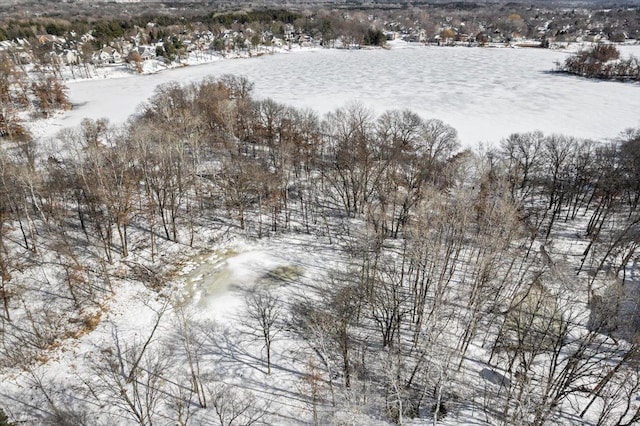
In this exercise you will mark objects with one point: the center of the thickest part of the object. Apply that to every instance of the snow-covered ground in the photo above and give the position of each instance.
(486, 94)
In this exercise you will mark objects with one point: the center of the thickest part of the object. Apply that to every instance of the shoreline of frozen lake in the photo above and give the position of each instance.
(486, 94)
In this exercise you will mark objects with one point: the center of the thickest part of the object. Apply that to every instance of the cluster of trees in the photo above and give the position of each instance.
(39, 91)
(466, 261)
(172, 47)
(449, 256)
(585, 179)
(602, 61)
(267, 16)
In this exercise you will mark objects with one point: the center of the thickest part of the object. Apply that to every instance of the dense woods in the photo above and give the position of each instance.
(522, 259)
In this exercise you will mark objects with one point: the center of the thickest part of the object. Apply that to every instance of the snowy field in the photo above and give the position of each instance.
(486, 94)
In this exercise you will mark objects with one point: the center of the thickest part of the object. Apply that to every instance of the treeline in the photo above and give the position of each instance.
(602, 62)
(107, 29)
(324, 26)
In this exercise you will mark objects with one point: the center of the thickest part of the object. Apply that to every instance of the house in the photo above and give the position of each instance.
(86, 38)
(108, 55)
(48, 38)
(52, 42)
(17, 50)
(145, 52)
(203, 40)
(6, 45)
(289, 31)
(68, 57)
(463, 38)
(228, 34)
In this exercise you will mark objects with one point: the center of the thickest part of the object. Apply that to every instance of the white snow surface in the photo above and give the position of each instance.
(485, 94)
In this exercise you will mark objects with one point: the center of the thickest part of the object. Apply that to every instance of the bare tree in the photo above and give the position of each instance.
(235, 407)
(133, 375)
(352, 166)
(265, 312)
(192, 344)
(523, 154)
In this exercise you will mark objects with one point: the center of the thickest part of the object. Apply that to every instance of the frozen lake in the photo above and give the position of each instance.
(486, 94)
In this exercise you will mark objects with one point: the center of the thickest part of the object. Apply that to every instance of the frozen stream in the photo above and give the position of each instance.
(486, 94)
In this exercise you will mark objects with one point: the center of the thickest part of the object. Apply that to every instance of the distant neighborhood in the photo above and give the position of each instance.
(83, 45)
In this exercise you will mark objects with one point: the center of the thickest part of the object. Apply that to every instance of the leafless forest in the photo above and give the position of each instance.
(521, 259)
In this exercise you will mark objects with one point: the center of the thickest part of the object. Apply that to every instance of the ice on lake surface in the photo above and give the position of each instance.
(486, 94)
